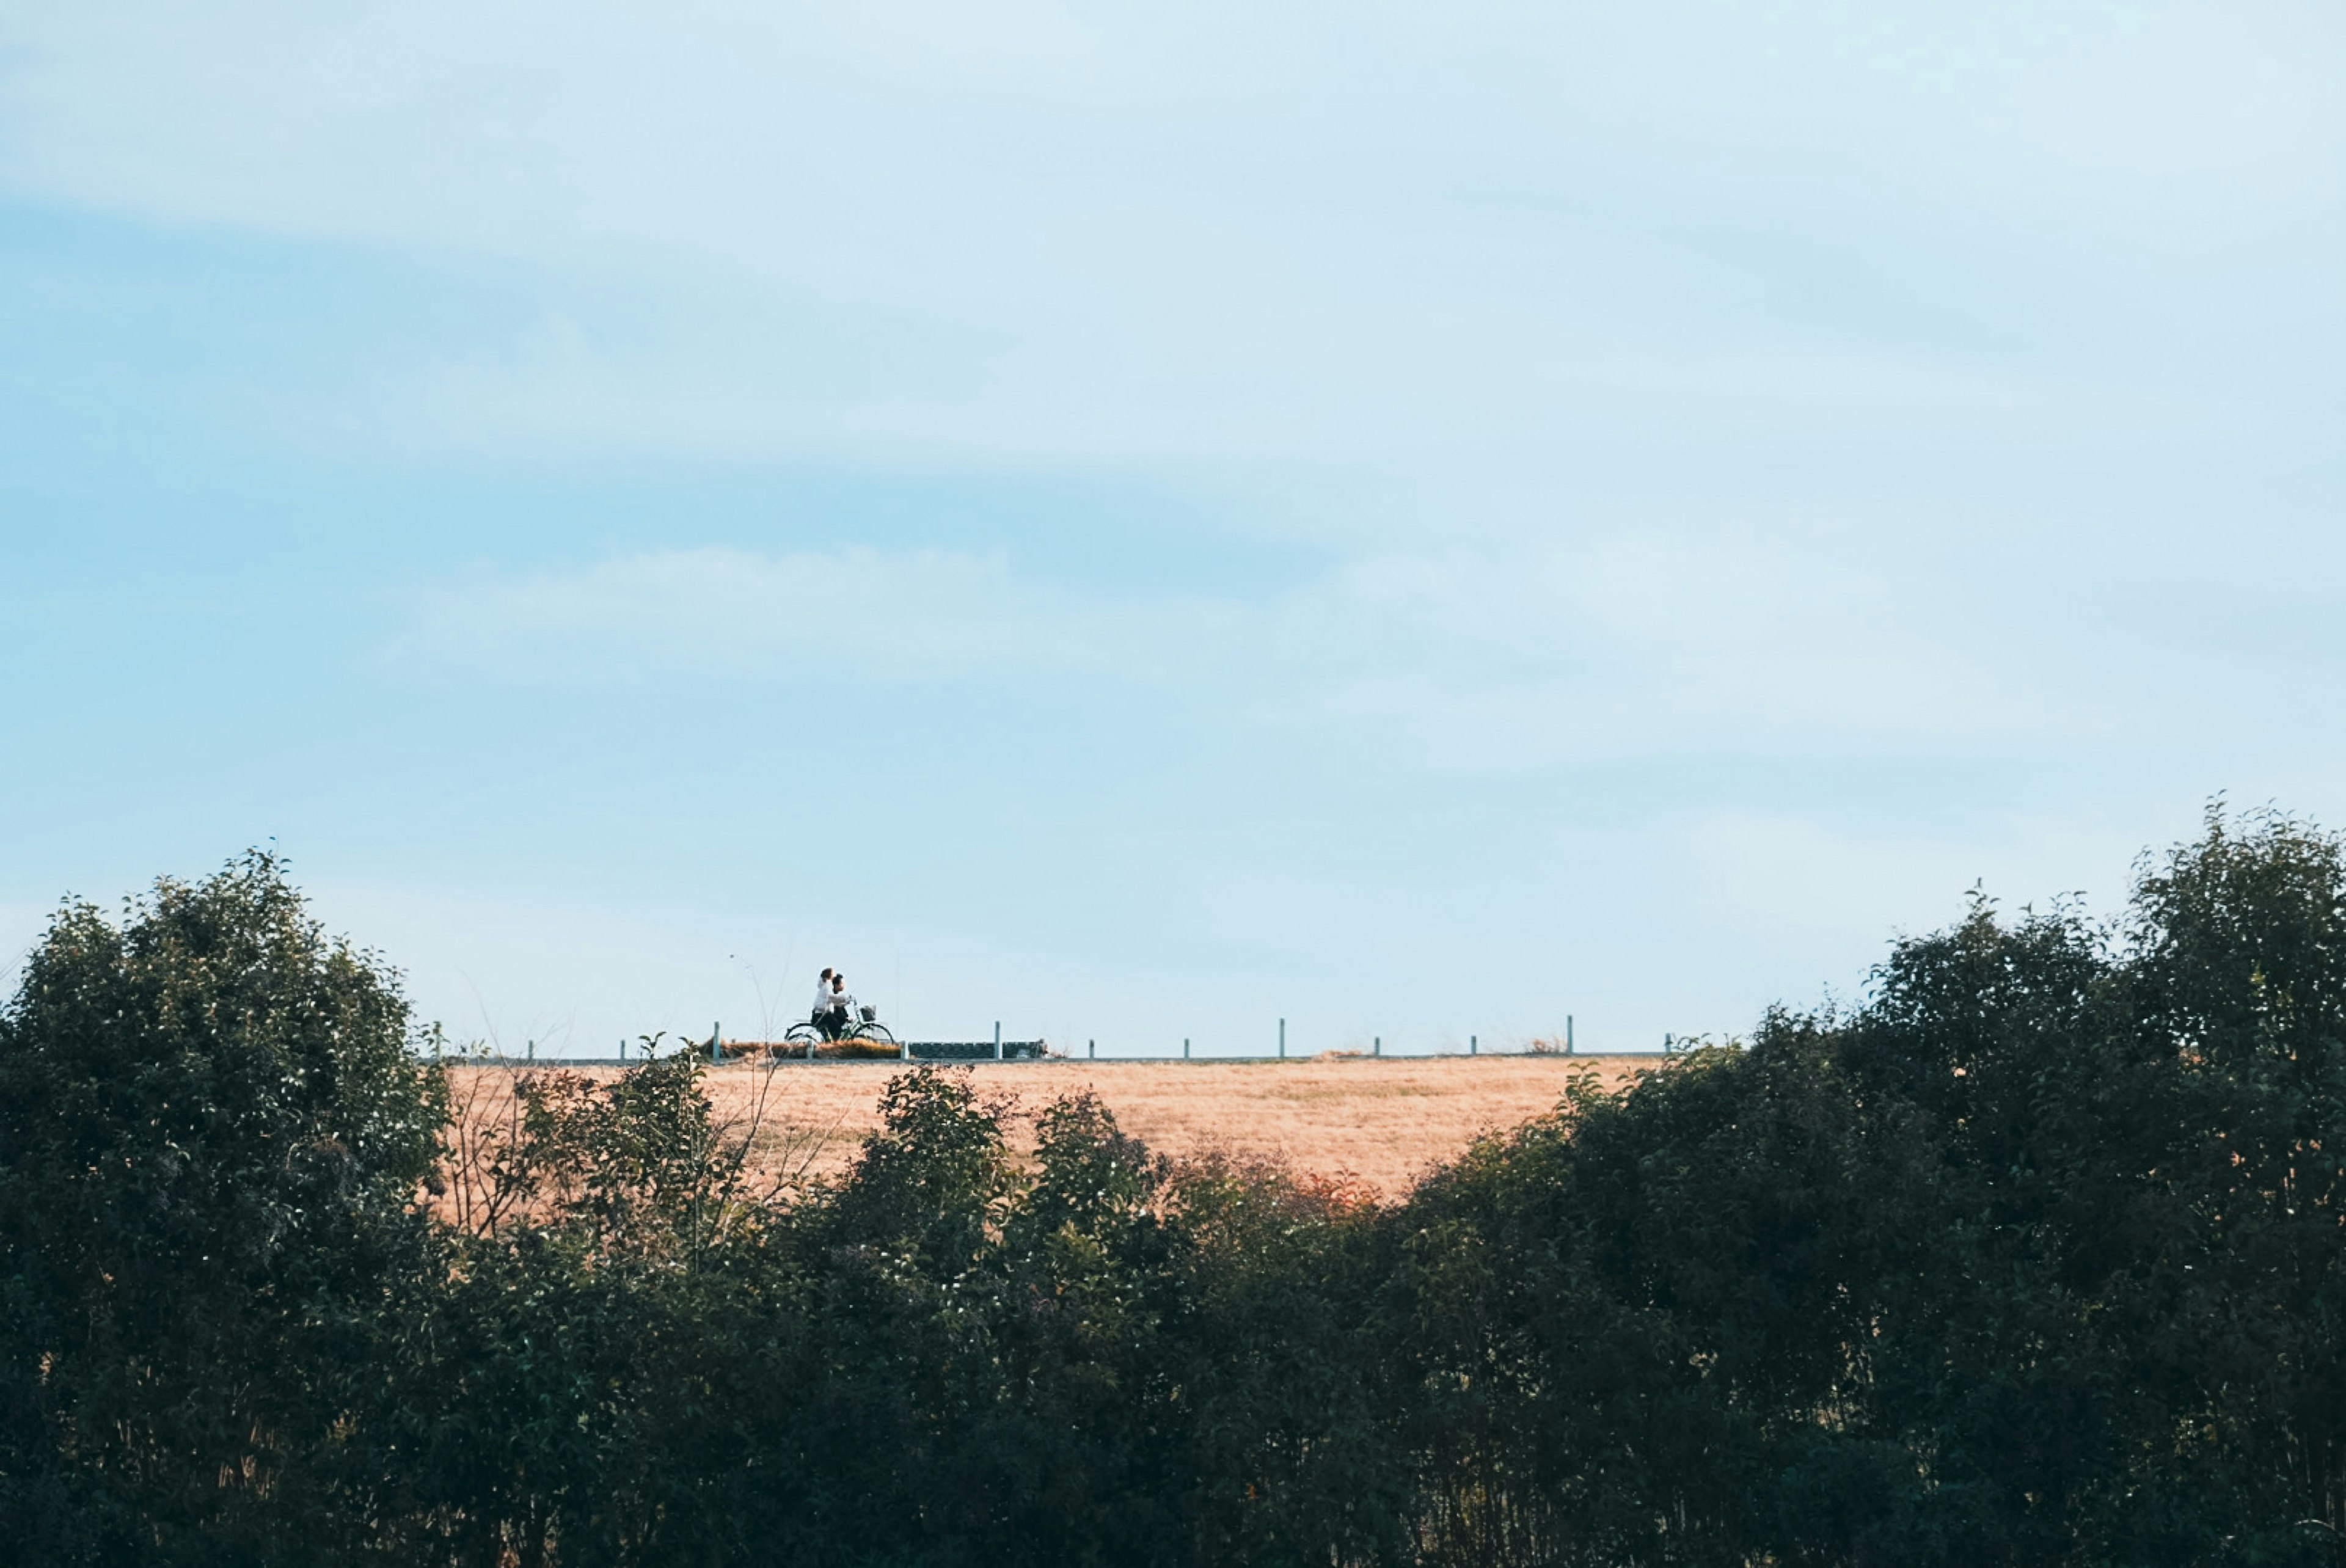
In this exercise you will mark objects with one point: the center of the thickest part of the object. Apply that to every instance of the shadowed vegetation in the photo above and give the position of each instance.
(2036, 1257)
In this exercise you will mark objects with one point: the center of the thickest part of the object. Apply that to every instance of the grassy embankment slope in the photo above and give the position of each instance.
(1382, 1122)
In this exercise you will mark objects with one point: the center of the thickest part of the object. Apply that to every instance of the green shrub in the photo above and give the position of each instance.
(2035, 1257)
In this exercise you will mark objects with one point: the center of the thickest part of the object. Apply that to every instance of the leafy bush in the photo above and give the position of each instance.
(210, 1129)
(2035, 1258)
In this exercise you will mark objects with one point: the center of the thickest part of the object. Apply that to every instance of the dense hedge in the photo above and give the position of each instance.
(2035, 1257)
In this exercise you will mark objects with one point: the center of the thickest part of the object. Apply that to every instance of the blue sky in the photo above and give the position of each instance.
(1418, 521)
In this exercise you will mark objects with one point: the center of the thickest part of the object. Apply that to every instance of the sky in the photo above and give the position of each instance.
(1139, 523)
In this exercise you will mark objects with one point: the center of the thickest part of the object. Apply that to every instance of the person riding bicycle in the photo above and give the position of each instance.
(830, 1001)
(838, 1018)
(833, 1019)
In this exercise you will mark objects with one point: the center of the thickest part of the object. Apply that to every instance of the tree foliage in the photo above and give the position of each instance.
(210, 1128)
(2035, 1257)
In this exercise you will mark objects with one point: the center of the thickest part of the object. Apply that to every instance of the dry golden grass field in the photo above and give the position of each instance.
(1382, 1122)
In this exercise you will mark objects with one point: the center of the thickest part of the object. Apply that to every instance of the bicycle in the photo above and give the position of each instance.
(864, 1026)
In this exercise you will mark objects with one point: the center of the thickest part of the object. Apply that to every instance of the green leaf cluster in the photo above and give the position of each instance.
(2037, 1255)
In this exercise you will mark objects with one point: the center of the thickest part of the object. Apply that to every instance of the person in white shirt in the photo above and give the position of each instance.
(842, 1005)
(825, 1000)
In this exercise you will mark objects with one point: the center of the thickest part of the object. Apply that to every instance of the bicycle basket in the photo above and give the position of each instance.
(871, 1014)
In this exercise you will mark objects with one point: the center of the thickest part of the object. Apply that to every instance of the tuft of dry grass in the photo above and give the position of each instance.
(1375, 1123)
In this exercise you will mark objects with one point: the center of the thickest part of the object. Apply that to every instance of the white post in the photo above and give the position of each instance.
(1184, 1047)
(997, 1039)
(1473, 1047)
(1282, 1039)
(1567, 1033)
(1376, 1045)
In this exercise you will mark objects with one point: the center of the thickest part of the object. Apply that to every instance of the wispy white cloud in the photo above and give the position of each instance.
(909, 615)
(1473, 660)
(1063, 231)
